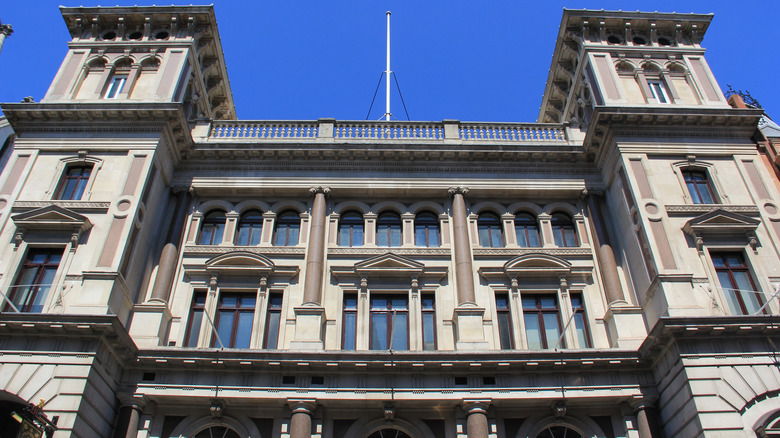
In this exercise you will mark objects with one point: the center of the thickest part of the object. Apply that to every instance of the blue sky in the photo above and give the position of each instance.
(466, 60)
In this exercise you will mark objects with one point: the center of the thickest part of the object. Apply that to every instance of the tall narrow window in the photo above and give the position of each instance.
(32, 286)
(504, 321)
(490, 232)
(250, 228)
(351, 229)
(115, 86)
(350, 322)
(426, 230)
(659, 91)
(388, 230)
(74, 182)
(563, 230)
(542, 321)
(699, 186)
(580, 321)
(212, 228)
(389, 322)
(737, 283)
(288, 227)
(527, 230)
(428, 303)
(272, 320)
(196, 318)
(235, 315)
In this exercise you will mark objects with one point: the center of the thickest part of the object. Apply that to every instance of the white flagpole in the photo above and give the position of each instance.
(387, 72)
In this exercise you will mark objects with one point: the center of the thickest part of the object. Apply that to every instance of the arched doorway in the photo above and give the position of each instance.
(559, 432)
(388, 432)
(217, 432)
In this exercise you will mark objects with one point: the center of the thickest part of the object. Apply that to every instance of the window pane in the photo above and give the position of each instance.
(429, 322)
(504, 331)
(243, 236)
(350, 321)
(484, 236)
(379, 331)
(532, 331)
(419, 235)
(749, 294)
(582, 336)
(400, 330)
(381, 236)
(244, 329)
(272, 330)
(357, 236)
(43, 290)
(495, 238)
(551, 331)
(224, 328)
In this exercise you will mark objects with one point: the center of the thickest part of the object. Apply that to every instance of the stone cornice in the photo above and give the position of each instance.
(698, 209)
(264, 250)
(77, 206)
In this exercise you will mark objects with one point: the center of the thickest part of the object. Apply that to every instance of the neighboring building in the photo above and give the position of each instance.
(607, 272)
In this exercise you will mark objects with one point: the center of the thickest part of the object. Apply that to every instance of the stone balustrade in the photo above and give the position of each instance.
(291, 130)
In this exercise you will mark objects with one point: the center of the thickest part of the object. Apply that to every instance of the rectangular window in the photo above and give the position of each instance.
(542, 321)
(196, 318)
(737, 283)
(428, 304)
(32, 286)
(504, 321)
(74, 182)
(659, 91)
(235, 315)
(389, 322)
(698, 184)
(115, 86)
(272, 320)
(350, 322)
(580, 321)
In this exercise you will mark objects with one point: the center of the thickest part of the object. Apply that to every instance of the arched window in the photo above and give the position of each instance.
(388, 230)
(490, 233)
(527, 230)
(770, 428)
(699, 187)
(212, 228)
(351, 229)
(559, 432)
(250, 227)
(426, 230)
(563, 230)
(288, 227)
(217, 432)
(389, 433)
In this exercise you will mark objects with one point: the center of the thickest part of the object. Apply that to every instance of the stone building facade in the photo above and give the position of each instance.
(170, 271)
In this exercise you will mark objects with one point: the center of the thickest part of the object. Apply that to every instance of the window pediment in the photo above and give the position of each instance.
(388, 265)
(52, 217)
(720, 222)
(536, 265)
(242, 262)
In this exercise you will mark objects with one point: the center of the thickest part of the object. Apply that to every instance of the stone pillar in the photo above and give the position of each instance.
(170, 253)
(476, 418)
(464, 273)
(300, 421)
(647, 423)
(315, 256)
(468, 317)
(606, 256)
(129, 417)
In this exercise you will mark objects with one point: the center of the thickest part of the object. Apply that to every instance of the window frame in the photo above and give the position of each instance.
(429, 224)
(213, 226)
(236, 310)
(540, 312)
(390, 322)
(687, 174)
(560, 237)
(746, 268)
(191, 324)
(353, 312)
(386, 223)
(273, 309)
(284, 223)
(431, 312)
(351, 221)
(41, 269)
(506, 313)
(78, 189)
(524, 228)
(659, 89)
(116, 84)
(492, 230)
(252, 220)
(585, 327)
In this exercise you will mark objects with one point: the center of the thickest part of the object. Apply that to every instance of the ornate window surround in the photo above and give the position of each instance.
(691, 163)
(82, 158)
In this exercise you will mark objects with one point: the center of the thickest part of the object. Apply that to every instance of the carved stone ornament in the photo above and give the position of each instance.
(458, 191)
(389, 411)
(319, 189)
(217, 409)
(559, 409)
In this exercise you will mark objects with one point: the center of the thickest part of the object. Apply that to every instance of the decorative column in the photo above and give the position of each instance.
(624, 322)
(300, 421)
(468, 318)
(647, 423)
(129, 418)
(476, 418)
(309, 317)
(151, 319)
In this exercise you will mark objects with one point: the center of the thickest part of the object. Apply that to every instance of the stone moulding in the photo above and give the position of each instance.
(697, 209)
(78, 206)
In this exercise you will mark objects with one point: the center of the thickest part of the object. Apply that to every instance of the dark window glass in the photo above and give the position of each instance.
(196, 318)
(737, 283)
(272, 320)
(288, 227)
(490, 232)
(35, 279)
(351, 229)
(74, 182)
(389, 322)
(388, 230)
(428, 303)
(212, 228)
(563, 230)
(217, 432)
(115, 86)
(699, 187)
(426, 230)
(558, 432)
(235, 314)
(250, 228)
(527, 230)
(504, 321)
(350, 322)
(580, 321)
(542, 322)
(389, 433)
